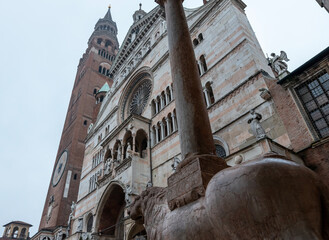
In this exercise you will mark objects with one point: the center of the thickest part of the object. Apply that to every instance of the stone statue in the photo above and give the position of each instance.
(119, 154)
(256, 128)
(73, 206)
(128, 192)
(90, 127)
(149, 184)
(80, 225)
(175, 163)
(277, 62)
(59, 235)
(108, 166)
(284, 200)
(50, 207)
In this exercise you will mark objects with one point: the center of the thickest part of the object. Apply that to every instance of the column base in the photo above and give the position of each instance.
(191, 178)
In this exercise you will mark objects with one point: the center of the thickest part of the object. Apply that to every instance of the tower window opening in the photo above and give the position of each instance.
(195, 42)
(108, 43)
(203, 64)
(85, 122)
(75, 176)
(99, 40)
(100, 69)
(200, 37)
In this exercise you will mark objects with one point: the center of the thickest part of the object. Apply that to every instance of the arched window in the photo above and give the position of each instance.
(195, 42)
(23, 232)
(170, 120)
(100, 69)
(158, 128)
(15, 232)
(99, 40)
(153, 107)
(108, 43)
(128, 143)
(220, 151)
(200, 37)
(90, 223)
(164, 102)
(209, 94)
(203, 63)
(198, 68)
(141, 143)
(168, 94)
(165, 133)
(158, 101)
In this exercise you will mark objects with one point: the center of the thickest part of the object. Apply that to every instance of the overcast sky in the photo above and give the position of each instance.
(42, 42)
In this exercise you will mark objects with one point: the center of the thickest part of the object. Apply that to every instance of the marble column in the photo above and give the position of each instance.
(168, 126)
(206, 94)
(156, 106)
(156, 134)
(152, 137)
(134, 143)
(171, 93)
(122, 152)
(173, 119)
(162, 102)
(162, 130)
(167, 97)
(193, 121)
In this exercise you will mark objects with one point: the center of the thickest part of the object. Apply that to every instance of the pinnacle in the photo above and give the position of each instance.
(108, 15)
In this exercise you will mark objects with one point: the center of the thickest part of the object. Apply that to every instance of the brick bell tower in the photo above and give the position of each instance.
(92, 74)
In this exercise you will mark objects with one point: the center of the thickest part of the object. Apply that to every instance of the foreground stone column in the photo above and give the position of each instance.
(193, 121)
(199, 163)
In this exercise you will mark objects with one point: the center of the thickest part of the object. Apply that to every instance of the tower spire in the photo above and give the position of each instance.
(108, 15)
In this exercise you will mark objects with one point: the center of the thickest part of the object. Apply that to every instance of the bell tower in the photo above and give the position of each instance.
(92, 74)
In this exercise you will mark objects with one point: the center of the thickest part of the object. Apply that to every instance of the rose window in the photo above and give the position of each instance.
(140, 98)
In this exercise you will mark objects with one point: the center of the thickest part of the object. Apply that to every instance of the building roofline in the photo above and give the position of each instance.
(18, 222)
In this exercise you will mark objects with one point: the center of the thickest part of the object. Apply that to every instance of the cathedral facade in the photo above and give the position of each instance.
(131, 140)
(134, 142)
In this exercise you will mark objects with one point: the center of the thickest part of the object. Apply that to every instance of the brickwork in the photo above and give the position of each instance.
(301, 128)
(292, 118)
(79, 116)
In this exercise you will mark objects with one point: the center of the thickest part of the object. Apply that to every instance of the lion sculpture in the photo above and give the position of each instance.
(271, 198)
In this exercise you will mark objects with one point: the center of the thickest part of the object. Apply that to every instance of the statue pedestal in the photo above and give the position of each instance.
(190, 181)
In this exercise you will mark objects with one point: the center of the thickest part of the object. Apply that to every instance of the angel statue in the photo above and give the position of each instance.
(277, 62)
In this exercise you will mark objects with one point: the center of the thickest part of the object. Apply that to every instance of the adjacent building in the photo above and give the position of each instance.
(16, 230)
